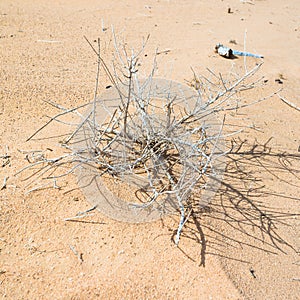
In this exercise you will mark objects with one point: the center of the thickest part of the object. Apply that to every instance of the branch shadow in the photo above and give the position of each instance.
(244, 204)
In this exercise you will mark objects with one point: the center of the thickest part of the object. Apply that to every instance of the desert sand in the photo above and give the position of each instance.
(45, 57)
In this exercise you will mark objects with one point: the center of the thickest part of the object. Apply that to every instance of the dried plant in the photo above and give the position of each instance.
(147, 146)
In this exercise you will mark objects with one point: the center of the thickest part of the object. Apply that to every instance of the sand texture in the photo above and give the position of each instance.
(246, 246)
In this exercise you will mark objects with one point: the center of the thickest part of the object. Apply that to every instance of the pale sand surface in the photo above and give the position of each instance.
(127, 261)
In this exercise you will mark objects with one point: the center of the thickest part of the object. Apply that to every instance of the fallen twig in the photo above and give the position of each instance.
(48, 41)
(4, 183)
(163, 52)
(6, 158)
(81, 214)
(79, 255)
(289, 103)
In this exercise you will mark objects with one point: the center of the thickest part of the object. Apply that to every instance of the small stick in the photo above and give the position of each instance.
(249, 2)
(102, 25)
(79, 255)
(81, 214)
(6, 157)
(163, 52)
(289, 103)
(4, 183)
(48, 41)
(87, 211)
(38, 188)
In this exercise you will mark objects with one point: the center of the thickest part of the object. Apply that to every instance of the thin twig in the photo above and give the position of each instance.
(54, 118)
(81, 214)
(289, 103)
(79, 255)
(4, 183)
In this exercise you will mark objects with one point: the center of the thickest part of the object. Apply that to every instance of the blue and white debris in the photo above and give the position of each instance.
(230, 53)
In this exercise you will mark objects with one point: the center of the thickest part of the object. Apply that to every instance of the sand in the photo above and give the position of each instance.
(45, 57)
